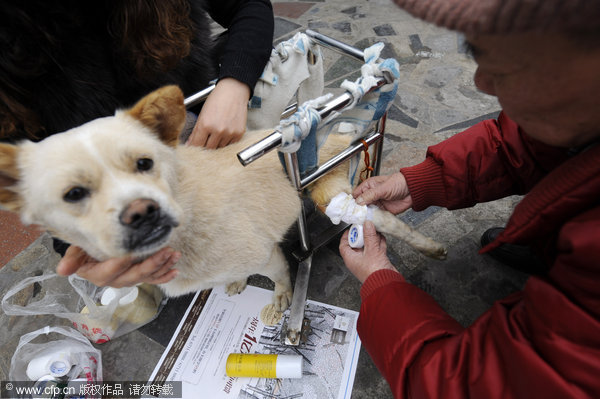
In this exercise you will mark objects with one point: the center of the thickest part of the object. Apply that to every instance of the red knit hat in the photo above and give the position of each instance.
(507, 16)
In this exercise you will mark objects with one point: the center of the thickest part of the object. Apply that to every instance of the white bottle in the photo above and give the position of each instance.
(54, 363)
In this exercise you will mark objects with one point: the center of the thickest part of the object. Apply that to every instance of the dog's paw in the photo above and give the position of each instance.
(236, 287)
(282, 299)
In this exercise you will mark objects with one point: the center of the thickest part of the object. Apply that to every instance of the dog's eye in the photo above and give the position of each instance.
(144, 164)
(76, 194)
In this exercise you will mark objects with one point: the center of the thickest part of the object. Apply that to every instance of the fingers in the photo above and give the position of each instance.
(73, 259)
(345, 249)
(198, 138)
(373, 241)
(123, 272)
(154, 270)
(213, 137)
(369, 191)
(373, 257)
(221, 139)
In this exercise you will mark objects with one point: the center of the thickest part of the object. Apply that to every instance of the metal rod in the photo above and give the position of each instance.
(326, 167)
(333, 44)
(272, 141)
(197, 98)
(260, 148)
(289, 110)
(294, 323)
(379, 145)
(293, 170)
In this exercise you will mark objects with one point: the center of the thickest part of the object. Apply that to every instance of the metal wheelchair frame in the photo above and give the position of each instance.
(295, 324)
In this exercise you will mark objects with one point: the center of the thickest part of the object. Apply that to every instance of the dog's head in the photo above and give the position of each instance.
(106, 186)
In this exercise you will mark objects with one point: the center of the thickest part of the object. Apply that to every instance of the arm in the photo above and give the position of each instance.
(243, 57)
(517, 349)
(488, 161)
(249, 42)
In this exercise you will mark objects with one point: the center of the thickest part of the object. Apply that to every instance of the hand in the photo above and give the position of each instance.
(388, 192)
(120, 272)
(363, 262)
(222, 120)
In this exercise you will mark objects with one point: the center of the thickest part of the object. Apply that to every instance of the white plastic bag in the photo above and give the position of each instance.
(123, 310)
(41, 351)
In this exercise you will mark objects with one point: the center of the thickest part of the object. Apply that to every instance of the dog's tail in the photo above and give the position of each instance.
(387, 223)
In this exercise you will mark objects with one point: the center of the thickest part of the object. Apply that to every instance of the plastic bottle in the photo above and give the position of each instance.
(55, 363)
(264, 366)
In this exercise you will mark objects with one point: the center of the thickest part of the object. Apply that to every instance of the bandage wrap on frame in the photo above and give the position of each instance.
(305, 132)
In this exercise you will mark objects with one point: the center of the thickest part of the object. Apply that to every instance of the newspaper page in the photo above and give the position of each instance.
(216, 325)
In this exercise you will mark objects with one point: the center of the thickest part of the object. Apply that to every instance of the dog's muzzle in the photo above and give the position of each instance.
(146, 225)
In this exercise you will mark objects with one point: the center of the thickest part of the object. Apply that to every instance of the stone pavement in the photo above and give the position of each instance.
(436, 99)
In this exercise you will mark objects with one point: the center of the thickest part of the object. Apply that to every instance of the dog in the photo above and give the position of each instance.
(123, 185)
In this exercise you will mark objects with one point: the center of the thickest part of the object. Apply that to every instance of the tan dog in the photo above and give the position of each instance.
(122, 185)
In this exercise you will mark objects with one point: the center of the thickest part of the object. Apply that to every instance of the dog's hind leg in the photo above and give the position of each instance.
(277, 269)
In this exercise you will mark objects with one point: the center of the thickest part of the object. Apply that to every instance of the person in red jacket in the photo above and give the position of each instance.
(542, 60)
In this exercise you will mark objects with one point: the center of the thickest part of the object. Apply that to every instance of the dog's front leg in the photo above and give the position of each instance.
(236, 287)
(277, 269)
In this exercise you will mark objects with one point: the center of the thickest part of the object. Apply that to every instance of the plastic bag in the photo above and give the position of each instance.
(58, 353)
(99, 313)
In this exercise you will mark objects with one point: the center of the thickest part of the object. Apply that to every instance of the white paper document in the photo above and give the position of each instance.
(216, 325)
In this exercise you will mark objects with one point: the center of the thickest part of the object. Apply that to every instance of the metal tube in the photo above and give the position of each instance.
(379, 145)
(339, 158)
(289, 110)
(197, 98)
(291, 165)
(270, 142)
(260, 148)
(333, 44)
(294, 322)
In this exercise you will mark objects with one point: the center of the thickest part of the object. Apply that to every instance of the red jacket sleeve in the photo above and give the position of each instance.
(490, 160)
(515, 350)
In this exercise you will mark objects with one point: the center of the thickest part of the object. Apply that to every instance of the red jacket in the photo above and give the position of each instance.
(543, 342)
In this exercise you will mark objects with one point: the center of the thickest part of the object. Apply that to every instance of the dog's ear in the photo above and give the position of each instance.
(9, 177)
(163, 112)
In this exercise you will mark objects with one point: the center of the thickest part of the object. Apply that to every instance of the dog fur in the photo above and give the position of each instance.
(123, 185)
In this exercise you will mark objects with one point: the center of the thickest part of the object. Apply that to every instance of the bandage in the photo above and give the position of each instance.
(343, 208)
(356, 238)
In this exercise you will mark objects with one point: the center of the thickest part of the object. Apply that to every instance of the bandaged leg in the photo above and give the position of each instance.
(343, 208)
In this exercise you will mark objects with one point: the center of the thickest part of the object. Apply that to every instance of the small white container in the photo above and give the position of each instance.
(355, 236)
(129, 295)
(55, 364)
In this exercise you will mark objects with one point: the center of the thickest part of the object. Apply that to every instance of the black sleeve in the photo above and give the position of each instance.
(249, 40)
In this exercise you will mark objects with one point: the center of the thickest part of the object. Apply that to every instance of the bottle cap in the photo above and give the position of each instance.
(289, 366)
(129, 294)
(60, 364)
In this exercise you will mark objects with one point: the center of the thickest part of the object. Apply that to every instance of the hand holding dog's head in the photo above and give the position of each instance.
(105, 186)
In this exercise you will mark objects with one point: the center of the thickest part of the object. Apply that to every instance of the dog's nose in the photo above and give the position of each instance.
(139, 212)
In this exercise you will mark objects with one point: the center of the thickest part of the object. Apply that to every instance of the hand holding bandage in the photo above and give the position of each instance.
(373, 257)
(344, 208)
